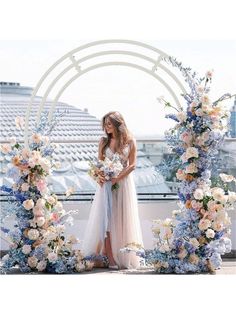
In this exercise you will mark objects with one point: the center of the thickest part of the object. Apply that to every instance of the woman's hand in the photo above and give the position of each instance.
(101, 180)
(114, 181)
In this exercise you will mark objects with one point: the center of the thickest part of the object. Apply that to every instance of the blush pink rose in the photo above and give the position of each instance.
(41, 185)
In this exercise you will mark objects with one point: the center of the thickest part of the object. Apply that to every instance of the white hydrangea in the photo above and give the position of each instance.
(33, 234)
(198, 194)
(52, 257)
(26, 249)
(32, 261)
(28, 204)
(210, 233)
(41, 265)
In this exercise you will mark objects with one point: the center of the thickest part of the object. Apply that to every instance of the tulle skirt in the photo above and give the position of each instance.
(123, 225)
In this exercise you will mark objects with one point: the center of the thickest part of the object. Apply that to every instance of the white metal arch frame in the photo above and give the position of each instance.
(78, 65)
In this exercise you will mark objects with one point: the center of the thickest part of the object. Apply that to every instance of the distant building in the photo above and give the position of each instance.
(77, 136)
(233, 120)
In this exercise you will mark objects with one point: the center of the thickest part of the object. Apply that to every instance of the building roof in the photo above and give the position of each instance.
(77, 136)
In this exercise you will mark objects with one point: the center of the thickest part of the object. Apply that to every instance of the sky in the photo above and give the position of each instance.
(132, 92)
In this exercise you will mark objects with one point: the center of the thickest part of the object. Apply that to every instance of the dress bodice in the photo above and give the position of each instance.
(124, 156)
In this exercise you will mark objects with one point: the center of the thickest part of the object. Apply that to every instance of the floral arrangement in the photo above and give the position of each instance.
(107, 168)
(37, 241)
(197, 235)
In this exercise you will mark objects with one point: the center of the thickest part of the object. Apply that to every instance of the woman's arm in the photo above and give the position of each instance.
(100, 155)
(132, 163)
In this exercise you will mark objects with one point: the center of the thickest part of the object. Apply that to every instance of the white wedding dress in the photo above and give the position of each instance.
(124, 223)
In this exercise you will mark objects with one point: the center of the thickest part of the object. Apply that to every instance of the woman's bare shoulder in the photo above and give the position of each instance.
(132, 141)
(103, 139)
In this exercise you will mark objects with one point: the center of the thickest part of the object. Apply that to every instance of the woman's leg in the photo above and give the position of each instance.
(109, 250)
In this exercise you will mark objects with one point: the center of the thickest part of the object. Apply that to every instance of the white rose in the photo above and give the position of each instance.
(206, 108)
(25, 153)
(218, 194)
(28, 204)
(167, 222)
(31, 163)
(205, 99)
(32, 261)
(181, 116)
(199, 112)
(176, 212)
(33, 234)
(164, 248)
(52, 257)
(73, 239)
(194, 259)
(180, 175)
(45, 164)
(194, 242)
(51, 200)
(182, 254)
(191, 152)
(200, 89)
(40, 203)
(60, 228)
(36, 138)
(191, 168)
(217, 226)
(42, 265)
(226, 178)
(5, 148)
(25, 187)
(204, 224)
(210, 233)
(59, 206)
(26, 249)
(49, 236)
(209, 74)
(40, 221)
(198, 194)
(38, 211)
(168, 233)
(184, 158)
(79, 267)
(232, 197)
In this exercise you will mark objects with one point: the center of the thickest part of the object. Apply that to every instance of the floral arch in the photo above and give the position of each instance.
(196, 237)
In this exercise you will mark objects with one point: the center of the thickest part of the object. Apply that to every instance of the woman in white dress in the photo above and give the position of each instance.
(124, 225)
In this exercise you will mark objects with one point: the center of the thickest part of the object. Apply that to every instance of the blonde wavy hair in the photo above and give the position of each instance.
(122, 134)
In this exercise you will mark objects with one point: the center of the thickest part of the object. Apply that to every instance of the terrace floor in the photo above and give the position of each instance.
(228, 268)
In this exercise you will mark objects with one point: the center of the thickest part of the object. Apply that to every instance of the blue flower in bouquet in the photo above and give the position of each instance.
(221, 245)
(216, 260)
(60, 267)
(192, 215)
(23, 223)
(189, 247)
(39, 252)
(71, 261)
(15, 235)
(219, 234)
(14, 173)
(172, 116)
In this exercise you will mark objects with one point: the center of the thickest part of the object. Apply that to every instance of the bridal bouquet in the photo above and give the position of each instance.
(108, 168)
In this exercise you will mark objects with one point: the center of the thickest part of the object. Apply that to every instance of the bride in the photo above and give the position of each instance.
(123, 225)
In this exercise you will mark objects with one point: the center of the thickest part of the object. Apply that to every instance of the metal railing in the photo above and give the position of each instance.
(88, 197)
